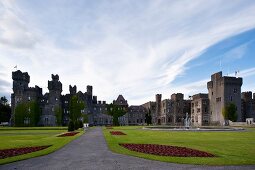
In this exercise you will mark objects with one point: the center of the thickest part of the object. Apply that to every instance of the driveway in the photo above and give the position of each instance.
(90, 152)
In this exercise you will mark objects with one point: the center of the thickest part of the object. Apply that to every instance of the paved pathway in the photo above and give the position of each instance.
(90, 152)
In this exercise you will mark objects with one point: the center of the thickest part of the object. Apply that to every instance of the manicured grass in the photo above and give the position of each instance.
(231, 148)
(33, 136)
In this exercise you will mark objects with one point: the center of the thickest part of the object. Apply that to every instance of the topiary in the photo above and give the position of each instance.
(76, 125)
(80, 124)
(70, 126)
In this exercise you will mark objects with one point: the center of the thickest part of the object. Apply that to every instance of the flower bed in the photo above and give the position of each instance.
(117, 133)
(68, 134)
(5, 153)
(164, 150)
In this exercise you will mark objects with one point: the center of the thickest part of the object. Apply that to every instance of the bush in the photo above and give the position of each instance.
(70, 126)
(76, 125)
(80, 124)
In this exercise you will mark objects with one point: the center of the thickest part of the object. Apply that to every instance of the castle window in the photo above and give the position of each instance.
(56, 99)
(212, 93)
(235, 90)
(29, 98)
(218, 99)
(231, 98)
(66, 101)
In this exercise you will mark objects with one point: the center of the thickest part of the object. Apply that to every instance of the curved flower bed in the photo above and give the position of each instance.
(68, 134)
(164, 150)
(5, 153)
(117, 133)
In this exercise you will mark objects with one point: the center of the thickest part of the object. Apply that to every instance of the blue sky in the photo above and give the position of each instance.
(134, 48)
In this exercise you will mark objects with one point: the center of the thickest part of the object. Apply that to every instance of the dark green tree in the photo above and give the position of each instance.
(85, 118)
(70, 126)
(80, 124)
(229, 112)
(76, 106)
(34, 113)
(3, 100)
(76, 124)
(58, 114)
(27, 114)
(116, 111)
(20, 112)
(5, 110)
(148, 117)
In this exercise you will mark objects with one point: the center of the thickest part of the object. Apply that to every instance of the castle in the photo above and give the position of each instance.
(53, 101)
(203, 109)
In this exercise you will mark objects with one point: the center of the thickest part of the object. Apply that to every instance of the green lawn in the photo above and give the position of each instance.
(33, 136)
(231, 148)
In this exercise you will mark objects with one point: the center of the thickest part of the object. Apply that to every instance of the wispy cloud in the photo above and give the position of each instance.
(136, 48)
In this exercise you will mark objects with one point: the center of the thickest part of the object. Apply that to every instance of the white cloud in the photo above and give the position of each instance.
(137, 50)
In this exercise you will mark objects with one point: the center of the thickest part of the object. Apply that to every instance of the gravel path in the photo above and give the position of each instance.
(90, 152)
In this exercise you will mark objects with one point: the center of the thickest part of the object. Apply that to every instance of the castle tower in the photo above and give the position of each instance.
(72, 90)
(158, 107)
(90, 92)
(223, 90)
(248, 110)
(22, 93)
(53, 102)
(20, 81)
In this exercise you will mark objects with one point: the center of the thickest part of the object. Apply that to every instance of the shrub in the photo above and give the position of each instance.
(76, 125)
(80, 124)
(70, 126)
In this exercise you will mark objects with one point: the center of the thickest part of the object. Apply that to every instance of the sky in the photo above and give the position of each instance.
(129, 47)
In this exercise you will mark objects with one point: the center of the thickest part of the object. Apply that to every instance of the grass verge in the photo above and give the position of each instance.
(231, 148)
(37, 136)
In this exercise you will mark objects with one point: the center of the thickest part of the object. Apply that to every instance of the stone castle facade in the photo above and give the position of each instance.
(223, 90)
(52, 100)
(203, 109)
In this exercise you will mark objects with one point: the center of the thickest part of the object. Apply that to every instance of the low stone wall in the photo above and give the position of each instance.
(241, 124)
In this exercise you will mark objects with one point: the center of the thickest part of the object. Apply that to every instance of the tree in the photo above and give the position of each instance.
(27, 114)
(76, 106)
(19, 116)
(229, 112)
(3, 100)
(80, 124)
(58, 114)
(148, 117)
(76, 124)
(5, 110)
(70, 126)
(116, 111)
(34, 113)
(85, 118)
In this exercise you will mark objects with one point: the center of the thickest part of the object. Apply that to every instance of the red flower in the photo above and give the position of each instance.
(117, 133)
(68, 134)
(165, 150)
(5, 153)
